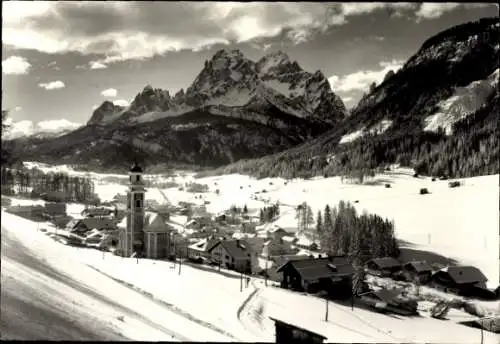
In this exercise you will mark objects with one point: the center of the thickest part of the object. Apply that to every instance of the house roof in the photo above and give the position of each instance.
(292, 322)
(92, 222)
(387, 295)
(419, 266)
(316, 268)
(204, 245)
(386, 262)
(465, 274)
(97, 211)
(235, 248)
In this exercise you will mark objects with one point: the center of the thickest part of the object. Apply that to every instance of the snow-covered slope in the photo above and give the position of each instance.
(464, 101)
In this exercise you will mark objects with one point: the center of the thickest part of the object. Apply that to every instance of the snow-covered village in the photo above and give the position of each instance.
(199, 218)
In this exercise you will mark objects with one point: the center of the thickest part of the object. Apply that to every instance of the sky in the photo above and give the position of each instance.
(60, 60)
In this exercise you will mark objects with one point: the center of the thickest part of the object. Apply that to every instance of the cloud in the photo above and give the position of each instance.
(435, 10)
(121, 102)
(97, 65)
(28, 128)
(120, 31)
(18, 108)
(15, 65)
(53, 85)
(110, 92)
(361, 80)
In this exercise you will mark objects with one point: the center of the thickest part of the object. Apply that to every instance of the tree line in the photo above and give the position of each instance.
(35, 183)
(342, 231)
(269, 213)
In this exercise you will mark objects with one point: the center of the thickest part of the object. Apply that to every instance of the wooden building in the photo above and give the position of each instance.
(417, 271)
(288, 333)
(332, 274)
(81, 226)
(384, 267)
(233, 254)
(461, 280)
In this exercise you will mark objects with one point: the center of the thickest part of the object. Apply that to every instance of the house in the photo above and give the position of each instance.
(55, 209)
(156, 235)
(233, 254)
(417, 271)
(294, 332)
(332, 274)
(390, 301)
(80, 226)
(202, 248)
(461, 280)
(277, 247)
(305, 243)
(384, 267)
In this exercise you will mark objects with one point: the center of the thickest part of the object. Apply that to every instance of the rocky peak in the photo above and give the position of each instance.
(103, 112)
(277, 62)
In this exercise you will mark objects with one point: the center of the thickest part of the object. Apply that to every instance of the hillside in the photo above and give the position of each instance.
(234, 109)
(437, 114)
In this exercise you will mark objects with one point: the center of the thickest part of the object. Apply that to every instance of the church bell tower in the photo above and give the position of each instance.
(135, 211)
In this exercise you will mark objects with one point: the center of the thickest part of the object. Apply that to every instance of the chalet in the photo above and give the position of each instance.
(294, 332)
(55, 209)
(417, 271)
(384, 267)
(461, 280)
(390, 301)
(332, 274)
(233, 254)
(202, 248)
(277, 247)
(306, 244)
(80, 226)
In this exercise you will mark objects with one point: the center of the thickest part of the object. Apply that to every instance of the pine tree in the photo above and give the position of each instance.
(319, 223)
(308, 216)
(261, 216)
(245, 209)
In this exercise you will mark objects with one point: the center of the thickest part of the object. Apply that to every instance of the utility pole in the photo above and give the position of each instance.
(326, 311)
(482, 325)
(241, 281)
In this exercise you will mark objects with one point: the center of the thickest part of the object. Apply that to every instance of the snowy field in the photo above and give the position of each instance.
(205, 305)
(458, 223)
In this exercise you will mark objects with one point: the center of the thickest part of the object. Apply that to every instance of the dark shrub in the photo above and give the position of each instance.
(454, 184)
(424, 191)
(387, 185)
(415, 175)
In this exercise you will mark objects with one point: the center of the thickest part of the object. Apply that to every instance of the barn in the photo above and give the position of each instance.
(332, 274)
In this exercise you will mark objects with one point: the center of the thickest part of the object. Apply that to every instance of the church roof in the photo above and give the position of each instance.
(153, 222)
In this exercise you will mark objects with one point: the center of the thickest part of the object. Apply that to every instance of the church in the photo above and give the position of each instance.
(143, 233)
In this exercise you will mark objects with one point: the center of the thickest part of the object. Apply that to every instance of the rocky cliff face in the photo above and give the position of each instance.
(232, 80)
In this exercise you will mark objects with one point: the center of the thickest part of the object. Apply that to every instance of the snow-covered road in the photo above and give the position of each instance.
(47, 294)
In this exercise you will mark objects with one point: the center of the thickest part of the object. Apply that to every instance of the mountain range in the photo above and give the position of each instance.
(271, 117)
(235, 108)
